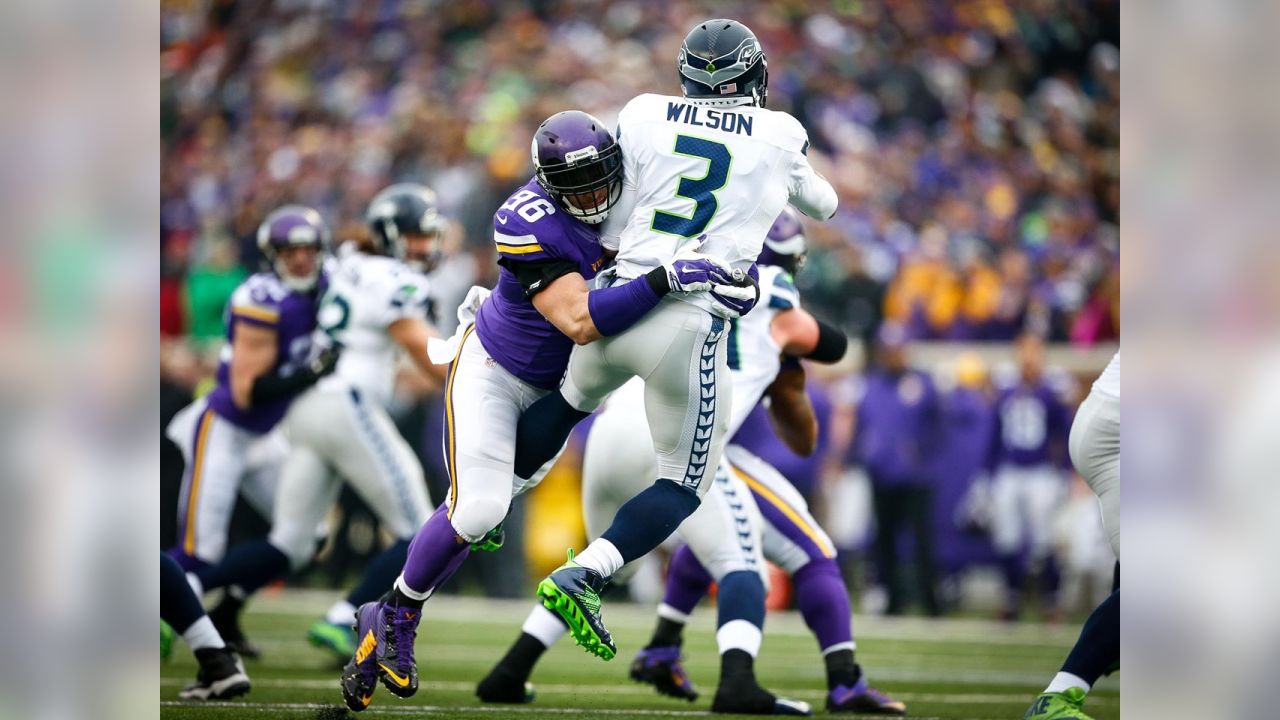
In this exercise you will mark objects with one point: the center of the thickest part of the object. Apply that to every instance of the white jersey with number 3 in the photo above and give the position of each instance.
(367, 293)
(707, 177)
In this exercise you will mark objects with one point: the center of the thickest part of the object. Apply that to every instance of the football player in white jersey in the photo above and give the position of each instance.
(709, 171)
(724, 534)
(374, 309)
(1095, 452)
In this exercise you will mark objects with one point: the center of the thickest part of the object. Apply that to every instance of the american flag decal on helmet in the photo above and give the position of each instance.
(727, 88)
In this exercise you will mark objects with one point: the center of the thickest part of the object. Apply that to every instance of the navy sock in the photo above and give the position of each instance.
(380, 574)
(249, 565)
(644, 521)
(741, 597)
(1098, 648)
(541, 432)
(179, 605)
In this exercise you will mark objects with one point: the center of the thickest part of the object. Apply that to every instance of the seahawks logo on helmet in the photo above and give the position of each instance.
(723, 59)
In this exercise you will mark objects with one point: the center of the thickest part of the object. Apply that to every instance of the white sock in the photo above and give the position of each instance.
(666, 612)
(545, 625)
(342, 613)
(602, 557)
(196, 586)
(1065, 681)
(739, 635)
(202, 634)
(409, 592)
(852, 646)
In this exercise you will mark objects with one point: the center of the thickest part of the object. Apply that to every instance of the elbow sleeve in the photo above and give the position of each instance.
(832, 344)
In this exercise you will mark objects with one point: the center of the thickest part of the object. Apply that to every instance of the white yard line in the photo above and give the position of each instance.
(505, 710)
(640, 690)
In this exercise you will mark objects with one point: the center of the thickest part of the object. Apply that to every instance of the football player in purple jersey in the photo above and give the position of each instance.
(515, 352)
(1028, 463)
(225, 436)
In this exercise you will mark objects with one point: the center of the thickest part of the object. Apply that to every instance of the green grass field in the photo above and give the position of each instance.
(961, 669)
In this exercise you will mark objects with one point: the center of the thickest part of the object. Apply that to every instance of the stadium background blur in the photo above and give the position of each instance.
(974, 145)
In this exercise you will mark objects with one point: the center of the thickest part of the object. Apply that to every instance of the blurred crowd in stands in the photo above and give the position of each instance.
(974, 145)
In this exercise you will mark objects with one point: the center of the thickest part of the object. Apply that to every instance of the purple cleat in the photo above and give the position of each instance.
(360, 675)
(396, 666)
(863, 699)
(661, 668)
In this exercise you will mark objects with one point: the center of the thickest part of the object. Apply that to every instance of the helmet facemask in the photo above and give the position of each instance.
(587, 183)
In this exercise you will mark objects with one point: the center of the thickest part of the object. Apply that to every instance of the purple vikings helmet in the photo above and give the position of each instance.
(293, 226)
(784, 246)
(579, 164)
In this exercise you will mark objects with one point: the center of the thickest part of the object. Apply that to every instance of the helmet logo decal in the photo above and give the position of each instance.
(587, 153)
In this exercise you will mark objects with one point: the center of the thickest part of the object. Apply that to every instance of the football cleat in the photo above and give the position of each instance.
(166, 640)
(737, 699)
(1065, 705)
(226, 620)
(396, 665)
(221, 676)
(661, 668)
(492, 540)
(503, 686)
(337, 639)
(360, 675)
(573, 593)
(863, 699)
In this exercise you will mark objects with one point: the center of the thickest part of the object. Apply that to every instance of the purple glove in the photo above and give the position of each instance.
(695, 272)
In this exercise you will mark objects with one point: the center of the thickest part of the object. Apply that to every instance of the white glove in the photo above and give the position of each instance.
(733, 301)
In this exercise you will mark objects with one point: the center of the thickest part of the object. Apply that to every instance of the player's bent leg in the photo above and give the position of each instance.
(214, 451)
(1096, 653)
(221, 674)
(795, 541)
(1095, 451)
(508, 681)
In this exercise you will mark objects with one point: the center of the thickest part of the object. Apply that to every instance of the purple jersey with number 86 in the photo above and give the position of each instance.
(531, 227)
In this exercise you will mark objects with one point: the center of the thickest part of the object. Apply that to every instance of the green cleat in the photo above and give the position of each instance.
(166, 640)
(573, 593)
(340, 640)
(1065, 705)
(492, 540)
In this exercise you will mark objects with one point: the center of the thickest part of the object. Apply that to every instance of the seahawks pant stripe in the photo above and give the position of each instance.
(702, 431)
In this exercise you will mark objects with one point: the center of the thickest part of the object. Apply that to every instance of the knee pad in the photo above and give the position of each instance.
(297, 543)
(474, 517)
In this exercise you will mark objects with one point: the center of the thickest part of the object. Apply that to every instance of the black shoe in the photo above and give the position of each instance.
(503, 686)
(750, 699)
(226, 620)
(221, 676)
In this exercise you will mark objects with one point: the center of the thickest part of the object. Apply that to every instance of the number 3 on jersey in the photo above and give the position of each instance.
(700, 190)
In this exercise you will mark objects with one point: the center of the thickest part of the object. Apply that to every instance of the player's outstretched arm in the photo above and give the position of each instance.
(585, 315)
(253, 354)
(412, 334)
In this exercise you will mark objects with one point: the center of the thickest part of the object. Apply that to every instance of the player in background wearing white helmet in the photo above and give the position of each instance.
(228, 437)
(1095, 452)
(708, 171)
(375, 310)
(763, 349)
